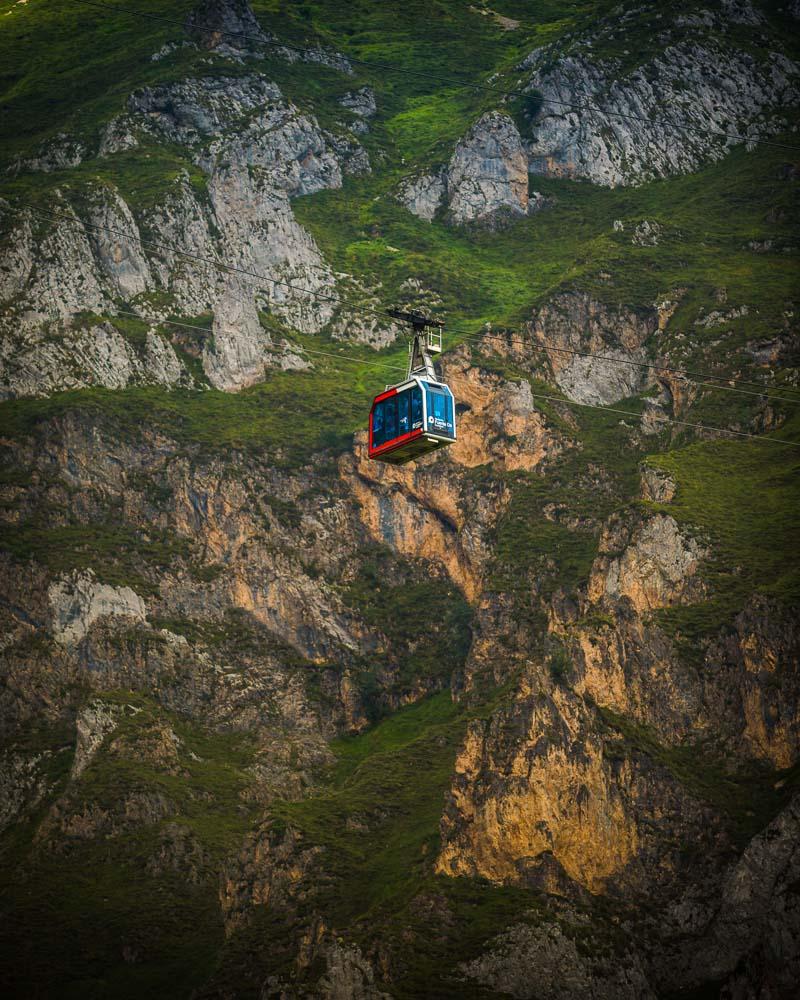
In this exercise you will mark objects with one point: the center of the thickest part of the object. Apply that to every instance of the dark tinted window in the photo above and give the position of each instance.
(416, 408)
(391, 417)
(378, 435)
(403, 408)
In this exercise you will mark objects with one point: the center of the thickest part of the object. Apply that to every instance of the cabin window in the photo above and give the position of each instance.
(399, 415)
(440, 412)
(416, 408)
(390, 417)
(378, 435)
(403, 407)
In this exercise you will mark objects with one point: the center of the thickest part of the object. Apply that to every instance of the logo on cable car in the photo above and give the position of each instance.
(438, 423)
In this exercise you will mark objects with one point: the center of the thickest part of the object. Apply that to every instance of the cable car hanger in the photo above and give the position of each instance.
(761, 438)
(418, 415)
(266, 280)
(422, 344)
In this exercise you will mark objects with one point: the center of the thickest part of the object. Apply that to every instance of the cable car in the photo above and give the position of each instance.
(418, 415)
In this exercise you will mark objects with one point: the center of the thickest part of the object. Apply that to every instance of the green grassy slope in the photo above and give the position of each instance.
(86, 916)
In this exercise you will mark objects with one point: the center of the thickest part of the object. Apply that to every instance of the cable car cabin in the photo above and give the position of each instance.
(410, 420)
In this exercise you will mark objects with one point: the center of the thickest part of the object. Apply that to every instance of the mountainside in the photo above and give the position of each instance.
(521, 718)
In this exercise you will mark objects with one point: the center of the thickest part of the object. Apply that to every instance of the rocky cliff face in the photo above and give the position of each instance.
(521, 718)
(699, 112)
(486, 181)
(256, 152)
(624, 118)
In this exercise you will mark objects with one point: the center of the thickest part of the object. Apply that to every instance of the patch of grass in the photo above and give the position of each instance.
(425, 619)
(291, 415)
(549, 532)
(108, 923)
(743, 498)
(119, 554)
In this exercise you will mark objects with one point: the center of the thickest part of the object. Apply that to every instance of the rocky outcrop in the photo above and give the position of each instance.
(94, 723)
(59, 153)
(487, 177)
(24, 783)
(572, 325)
(79, 357)
(271, 869)
(486, 181)
(657, 486)
(751, 940)
(234, 356)
(655, 568)
(423, 195)
(232, 23)
(348, 976)
(72, 282)
(538, 783)
(498, 420)
(574, 322)
(667, 116)
(752, 683)
(425, 510)
(361, 102)
(257, 151)
(78, 600)
(561, 969)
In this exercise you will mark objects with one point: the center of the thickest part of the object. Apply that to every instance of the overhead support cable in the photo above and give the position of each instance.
(536, 395)
(686, 374)
(301, 347)
(690, 376)
(456, 81)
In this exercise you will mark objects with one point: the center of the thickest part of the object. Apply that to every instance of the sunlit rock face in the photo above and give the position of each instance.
(485, 182)
(487, 177)
(567, 338)
(539, 782)
(629, 138)
(656, 567)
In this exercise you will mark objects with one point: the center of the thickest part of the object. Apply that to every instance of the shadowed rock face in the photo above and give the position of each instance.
(224, 22)
(544, 963)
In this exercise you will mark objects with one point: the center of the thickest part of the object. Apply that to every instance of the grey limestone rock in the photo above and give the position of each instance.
(576, 322)
(95, 721)
(423, 195)
(231, 23)
(487, 176)
(78, 599)
(658, 120)
(361, 102)
(486, 181)
(80, 357)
